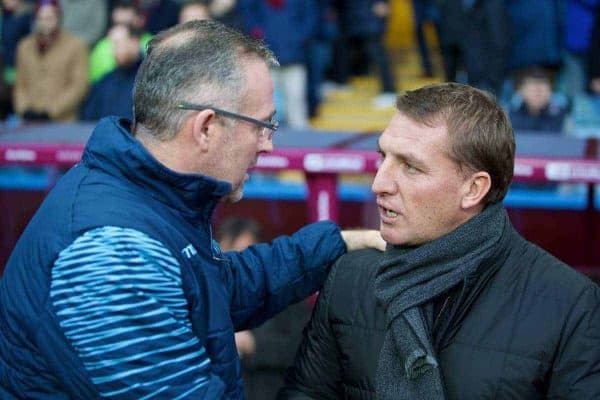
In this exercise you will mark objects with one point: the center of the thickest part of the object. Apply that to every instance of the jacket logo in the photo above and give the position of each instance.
(189, 251)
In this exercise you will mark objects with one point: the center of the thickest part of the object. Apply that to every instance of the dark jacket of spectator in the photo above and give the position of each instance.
(15, 26)
(286, 26)
(486, 43)
(579, 23)
(535, 33)
(112, 95)
(357, 18)
(551, 119)
(452, 22)
(159, 14)
(594, 51)
(531, 330)
(5, 96)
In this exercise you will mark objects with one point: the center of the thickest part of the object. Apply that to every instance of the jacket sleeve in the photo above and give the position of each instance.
(576, 371)
(266, 278)
(316, 373)
(118, 297)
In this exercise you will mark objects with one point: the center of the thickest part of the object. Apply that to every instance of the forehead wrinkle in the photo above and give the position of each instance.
(401, 150)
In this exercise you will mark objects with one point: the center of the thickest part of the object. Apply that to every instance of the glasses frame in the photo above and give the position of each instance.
(269, 128)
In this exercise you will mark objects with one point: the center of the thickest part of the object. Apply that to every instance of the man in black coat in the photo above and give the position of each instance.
(459, 306)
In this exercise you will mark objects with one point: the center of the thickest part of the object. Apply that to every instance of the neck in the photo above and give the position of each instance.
(171, 153)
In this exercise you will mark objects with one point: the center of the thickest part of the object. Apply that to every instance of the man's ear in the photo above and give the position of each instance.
(203, 128)
(477, 187)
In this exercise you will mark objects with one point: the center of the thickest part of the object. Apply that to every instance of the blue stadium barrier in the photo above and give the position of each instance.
(262, 186)
(557, 199)
(530, 144)
(266, 187)
(24, 178)
(259, 186)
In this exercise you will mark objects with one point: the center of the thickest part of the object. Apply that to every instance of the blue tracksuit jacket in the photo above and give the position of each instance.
(116, 288)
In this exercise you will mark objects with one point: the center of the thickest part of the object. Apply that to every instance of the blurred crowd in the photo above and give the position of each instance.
(65, 60)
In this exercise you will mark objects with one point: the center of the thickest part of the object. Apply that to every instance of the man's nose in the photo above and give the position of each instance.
(265, 145)
(383, 183)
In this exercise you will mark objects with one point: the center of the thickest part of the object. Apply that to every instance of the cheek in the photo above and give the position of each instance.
(433, 201)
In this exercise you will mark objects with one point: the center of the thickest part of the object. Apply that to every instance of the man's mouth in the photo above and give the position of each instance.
(387, 214)
(390, 213)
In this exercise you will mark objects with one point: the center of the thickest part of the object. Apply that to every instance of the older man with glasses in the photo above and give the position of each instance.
(117, 288)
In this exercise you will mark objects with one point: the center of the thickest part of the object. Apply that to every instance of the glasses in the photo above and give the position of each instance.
(268, 128)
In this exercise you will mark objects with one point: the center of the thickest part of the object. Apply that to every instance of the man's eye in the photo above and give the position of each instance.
(410, 169)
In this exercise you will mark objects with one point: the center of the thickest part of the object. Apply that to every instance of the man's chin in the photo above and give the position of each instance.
(390, 235)
(234, 196)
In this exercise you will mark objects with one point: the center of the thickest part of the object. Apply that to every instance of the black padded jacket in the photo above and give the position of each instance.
(532, 333)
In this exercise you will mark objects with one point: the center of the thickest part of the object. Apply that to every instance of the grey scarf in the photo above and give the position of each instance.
(407, 282)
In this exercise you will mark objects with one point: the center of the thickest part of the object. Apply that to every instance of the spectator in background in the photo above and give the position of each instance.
(159, 14)
(268, 350)
(237, 234)
(586, 107)
(126, 12)
(363, 23)
(287, 26)
(195, 10)
(485, 43)
(112, 95)
(320, 53)
(579, 23)
(451, 29)
(102, 58)
(5, 95)
(535, 34)
(52, 69)
(593, 81)
(85, 19)
(425, 11)
(534, 108)
(17, 18)
(227, 12)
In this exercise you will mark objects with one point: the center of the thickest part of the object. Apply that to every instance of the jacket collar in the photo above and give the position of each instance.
(113, 149)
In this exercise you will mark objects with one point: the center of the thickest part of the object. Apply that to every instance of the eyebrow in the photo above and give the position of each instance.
(405, 157)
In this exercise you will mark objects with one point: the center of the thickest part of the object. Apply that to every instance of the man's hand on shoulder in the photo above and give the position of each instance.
(361, 239)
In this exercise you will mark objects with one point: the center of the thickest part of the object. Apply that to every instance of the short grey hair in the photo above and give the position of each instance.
(197, 62)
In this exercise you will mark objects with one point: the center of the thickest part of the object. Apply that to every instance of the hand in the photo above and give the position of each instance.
(361, 239)
(245, 343)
